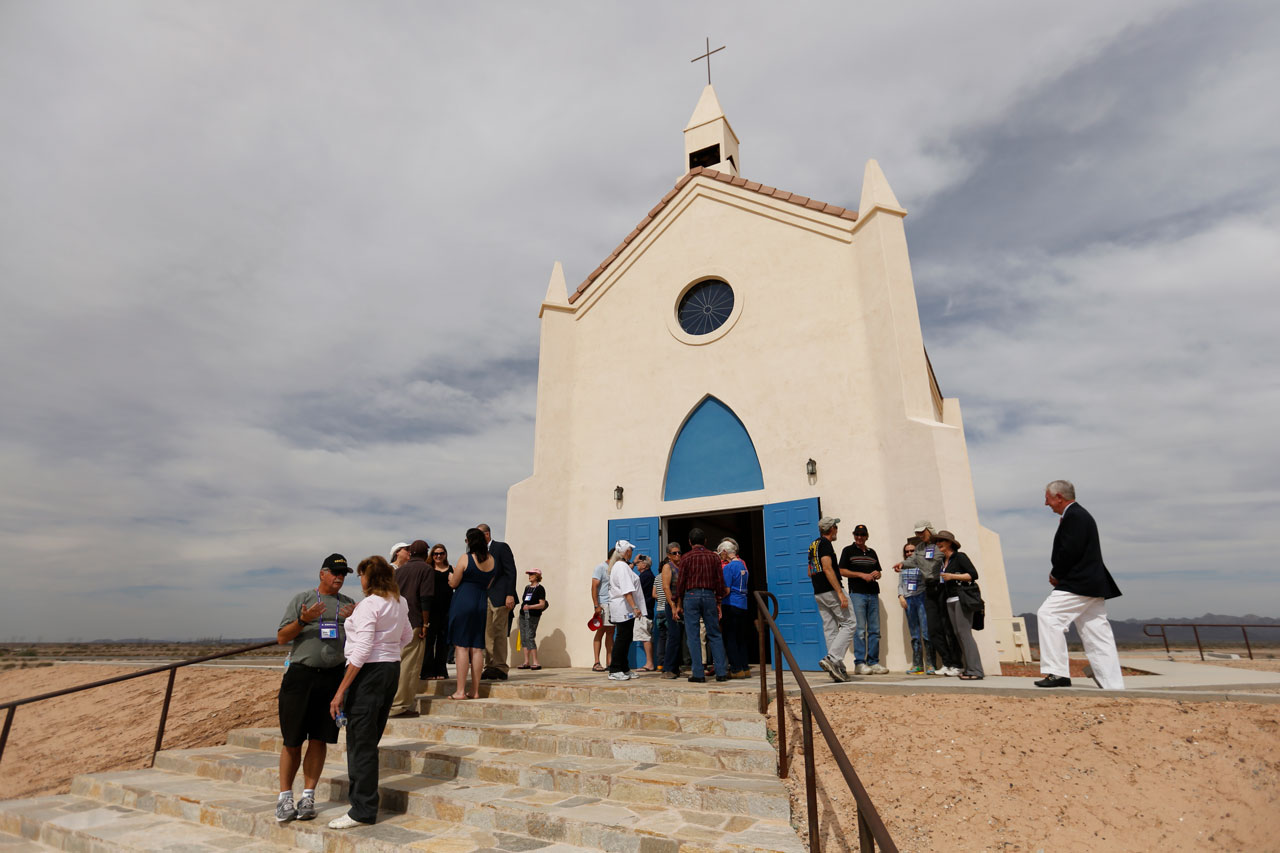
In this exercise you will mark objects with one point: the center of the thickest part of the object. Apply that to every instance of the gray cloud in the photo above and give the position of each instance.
(269, 274)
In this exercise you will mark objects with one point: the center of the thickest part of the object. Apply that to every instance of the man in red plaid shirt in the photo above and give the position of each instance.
(698, 593)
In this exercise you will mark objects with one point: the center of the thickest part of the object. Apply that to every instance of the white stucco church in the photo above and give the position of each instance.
(746, 360)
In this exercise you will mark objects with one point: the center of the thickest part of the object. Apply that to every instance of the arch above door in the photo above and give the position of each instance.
(712, 455)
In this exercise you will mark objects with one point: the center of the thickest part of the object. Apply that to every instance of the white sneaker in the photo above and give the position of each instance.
(877, 669)
(344, 822)
(833, 669)
(955, 670)
(619, 676)
(861, 669)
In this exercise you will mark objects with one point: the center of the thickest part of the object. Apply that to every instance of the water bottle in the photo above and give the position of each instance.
(341, 719)
(287, 658)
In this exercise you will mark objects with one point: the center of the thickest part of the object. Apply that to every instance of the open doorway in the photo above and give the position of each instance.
(746, 527)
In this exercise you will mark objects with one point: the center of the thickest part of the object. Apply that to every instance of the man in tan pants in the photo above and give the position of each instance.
(417, 583)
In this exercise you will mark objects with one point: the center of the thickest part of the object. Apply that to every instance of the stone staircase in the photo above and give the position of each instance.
(543, 762)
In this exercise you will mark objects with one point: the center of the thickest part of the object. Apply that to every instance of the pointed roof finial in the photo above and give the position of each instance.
(707, 57)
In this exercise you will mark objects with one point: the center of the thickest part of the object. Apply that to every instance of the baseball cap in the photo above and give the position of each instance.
(827, 523)
(623, 545)
(861, 530)
(537, 572)
(394, 548)
(921, 526)
(336, 564)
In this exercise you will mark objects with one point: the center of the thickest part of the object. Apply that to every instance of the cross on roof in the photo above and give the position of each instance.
(707, 57)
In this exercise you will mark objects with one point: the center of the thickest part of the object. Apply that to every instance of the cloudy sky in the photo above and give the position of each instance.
(269, 271)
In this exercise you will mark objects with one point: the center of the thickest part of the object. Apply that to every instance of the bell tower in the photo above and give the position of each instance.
(709, 140)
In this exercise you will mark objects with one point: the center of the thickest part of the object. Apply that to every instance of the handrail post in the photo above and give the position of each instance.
(866, 841)
(1244, 629)
(761, 630)
(780, 706)
(1196, 629)
(810, 776)
(1165, 636)
(164, 715)
(8, 721)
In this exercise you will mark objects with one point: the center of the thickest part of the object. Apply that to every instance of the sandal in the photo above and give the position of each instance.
(535, 667)
(597, 668)
(524, 666)
(648, 669)
(971, 678)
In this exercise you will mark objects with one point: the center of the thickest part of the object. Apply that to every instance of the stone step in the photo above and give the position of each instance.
(674, 748)
(651, 690)
(69, 822)
(639, 718)
(536, 815)
(724, 792)
(250, 814)
(14, 844)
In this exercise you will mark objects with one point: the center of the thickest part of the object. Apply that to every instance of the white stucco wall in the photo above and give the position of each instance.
(825, 360)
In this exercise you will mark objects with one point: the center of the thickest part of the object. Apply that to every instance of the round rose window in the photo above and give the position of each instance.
(705, 307)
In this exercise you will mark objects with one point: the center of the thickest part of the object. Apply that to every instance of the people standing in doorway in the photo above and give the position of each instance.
(644, 624)
(313, 627)
(734, 608)
(675, 641)
(927, 558)
(416, 581)
(377, 630)
(435, 654)
(600, 602)
(861, 567)
(911, 597)
(833, 605)
(502, 604)
(699, 590)
(626, 604)
(956, 571)
(532, 602)
(468, 615)
(1081, 586)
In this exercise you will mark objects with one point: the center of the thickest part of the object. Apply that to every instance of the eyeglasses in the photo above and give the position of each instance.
(438, 554)
(910, 551)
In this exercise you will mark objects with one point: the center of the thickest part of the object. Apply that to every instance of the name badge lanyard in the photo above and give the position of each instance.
(328, 627)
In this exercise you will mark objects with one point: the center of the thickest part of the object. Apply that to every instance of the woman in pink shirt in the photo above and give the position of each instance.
(376, 631)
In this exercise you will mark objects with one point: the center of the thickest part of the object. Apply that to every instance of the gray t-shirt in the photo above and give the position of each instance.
(927, 558)
(307, 648)
(601, 573)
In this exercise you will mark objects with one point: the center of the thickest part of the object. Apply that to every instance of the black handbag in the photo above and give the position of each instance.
(971, 602)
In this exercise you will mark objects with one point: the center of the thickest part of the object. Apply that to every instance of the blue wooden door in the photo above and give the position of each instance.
(789, 527)
(642, 533)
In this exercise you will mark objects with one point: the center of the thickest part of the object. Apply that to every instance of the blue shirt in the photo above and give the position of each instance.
(735, 578)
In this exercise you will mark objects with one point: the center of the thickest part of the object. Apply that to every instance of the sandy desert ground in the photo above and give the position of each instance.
(992, 773)
(947, 772)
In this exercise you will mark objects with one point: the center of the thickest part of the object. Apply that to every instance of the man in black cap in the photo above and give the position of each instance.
(313, 625)
(861, 568)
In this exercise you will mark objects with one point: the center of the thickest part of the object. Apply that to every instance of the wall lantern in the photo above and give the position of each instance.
(617, 493)
(811, 468)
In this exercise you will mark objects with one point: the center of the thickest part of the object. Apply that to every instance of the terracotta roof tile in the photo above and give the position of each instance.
(780, 195)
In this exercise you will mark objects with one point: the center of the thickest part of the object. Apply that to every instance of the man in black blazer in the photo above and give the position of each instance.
(1081, 586)
(502, 600)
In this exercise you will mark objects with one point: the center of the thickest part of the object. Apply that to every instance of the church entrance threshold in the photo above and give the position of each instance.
(746, 527)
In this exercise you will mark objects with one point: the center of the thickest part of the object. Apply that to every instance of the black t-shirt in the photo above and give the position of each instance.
(533, 595)
(866, 562)
(819, 548)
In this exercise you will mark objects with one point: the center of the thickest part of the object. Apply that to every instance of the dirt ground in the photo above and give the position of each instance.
(971, 773)
(947, 773)
(115, 727)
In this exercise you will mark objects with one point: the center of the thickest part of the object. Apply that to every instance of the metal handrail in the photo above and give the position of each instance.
(871, 829)
(171, 668)
(1196, 626)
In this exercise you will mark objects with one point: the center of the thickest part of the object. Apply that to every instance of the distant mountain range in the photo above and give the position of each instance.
(1129, 631)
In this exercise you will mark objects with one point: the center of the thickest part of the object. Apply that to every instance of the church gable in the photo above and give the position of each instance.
(805, 202)
(712, 455)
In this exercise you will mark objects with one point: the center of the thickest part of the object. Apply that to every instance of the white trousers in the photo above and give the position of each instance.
(1053, 619)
